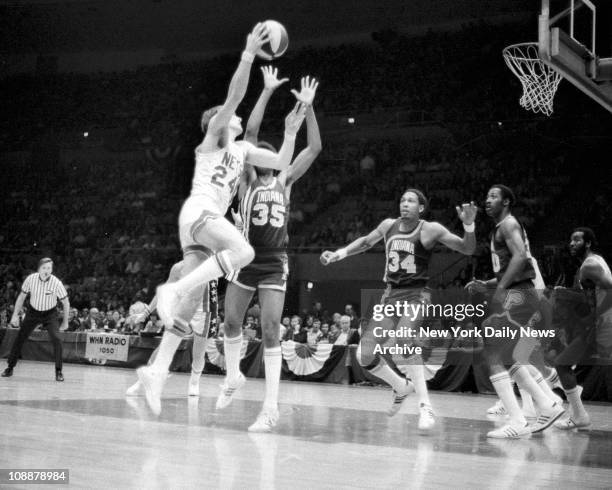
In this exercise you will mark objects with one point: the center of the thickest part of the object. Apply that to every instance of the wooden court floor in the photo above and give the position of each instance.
(329, 436)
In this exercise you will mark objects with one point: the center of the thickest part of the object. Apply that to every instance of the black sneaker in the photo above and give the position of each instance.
(59, 376)
(7, 373)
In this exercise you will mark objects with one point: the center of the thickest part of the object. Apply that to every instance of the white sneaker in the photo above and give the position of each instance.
(167, 302)
(547, 417)
(228, 388)
(427, 418)
(134, 390)
(399, 397)
(497, 409)
(510, 431)
(573, 423)
(194, 385)
(266, 420)
(153, 384)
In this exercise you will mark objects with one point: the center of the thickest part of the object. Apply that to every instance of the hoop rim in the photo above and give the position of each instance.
(507, 51)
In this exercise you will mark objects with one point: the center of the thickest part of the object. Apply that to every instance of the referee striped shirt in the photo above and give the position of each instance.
(43, 293)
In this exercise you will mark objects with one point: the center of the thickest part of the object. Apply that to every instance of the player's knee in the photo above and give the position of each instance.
(241, 255)
(180, 328)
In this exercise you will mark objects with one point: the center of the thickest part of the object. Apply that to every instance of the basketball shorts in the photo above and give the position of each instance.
(520, 308)
(269, 274)
(195, 213)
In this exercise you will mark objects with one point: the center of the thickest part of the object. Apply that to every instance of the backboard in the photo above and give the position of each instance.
(567, 42)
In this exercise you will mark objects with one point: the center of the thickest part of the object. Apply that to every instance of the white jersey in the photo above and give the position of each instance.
(217, 173)
(600, 261)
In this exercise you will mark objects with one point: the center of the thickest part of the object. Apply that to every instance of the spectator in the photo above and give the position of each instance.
(348, 335)
(313, 333)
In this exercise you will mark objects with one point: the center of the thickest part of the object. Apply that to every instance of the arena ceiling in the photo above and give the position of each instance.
(46, 26)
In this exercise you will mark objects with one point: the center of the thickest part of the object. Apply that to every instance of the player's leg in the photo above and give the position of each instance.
(494, 354)
(271, 301)
(52, 326)
(231, 252)
(237, 299)
(573, 354)
(200, 325)
(27, 327)
(369, 358)
(153, 376)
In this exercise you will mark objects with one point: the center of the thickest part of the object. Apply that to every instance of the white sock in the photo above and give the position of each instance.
(232, 347)
(542, 383)
(503, 387)
(526, 401)
(573, 398)
(166, 350)
(525, 380)
(273, 360)
(416, 373)
(384, 372)
(210, 269)
(198, 352)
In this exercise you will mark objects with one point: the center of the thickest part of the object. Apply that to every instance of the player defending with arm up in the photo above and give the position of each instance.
(409, 242)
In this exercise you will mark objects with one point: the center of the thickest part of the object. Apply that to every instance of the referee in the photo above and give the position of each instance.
(44, 290)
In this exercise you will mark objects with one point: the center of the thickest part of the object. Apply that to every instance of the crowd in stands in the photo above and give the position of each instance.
(110, 221)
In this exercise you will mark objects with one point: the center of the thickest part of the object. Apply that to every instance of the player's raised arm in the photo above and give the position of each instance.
(260, 157)
(304, 160)
(357, 246)
(271, 83)
(240, 81)
(467, 244)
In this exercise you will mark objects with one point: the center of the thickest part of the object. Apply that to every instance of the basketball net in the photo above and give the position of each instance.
(539, 81)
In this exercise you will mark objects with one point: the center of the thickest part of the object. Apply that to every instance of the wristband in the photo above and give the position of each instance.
(247, 57)
(469, 228)
(289, 136)
(341, 253)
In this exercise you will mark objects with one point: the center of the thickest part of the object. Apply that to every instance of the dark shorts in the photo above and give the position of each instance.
(502, 327)
(270, 274)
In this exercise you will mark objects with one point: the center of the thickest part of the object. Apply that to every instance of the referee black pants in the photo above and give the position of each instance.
(33, 318)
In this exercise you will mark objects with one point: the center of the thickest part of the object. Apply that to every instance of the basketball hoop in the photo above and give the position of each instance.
(539, 80)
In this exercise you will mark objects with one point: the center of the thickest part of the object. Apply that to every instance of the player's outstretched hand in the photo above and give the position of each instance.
(257, 38)
(270, 77)
(295, 118)
(328, 257)
(476, 286)
(467, 212)
(14, 321)
(308, 91)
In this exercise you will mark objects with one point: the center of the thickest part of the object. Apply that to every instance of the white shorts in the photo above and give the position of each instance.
(196, 211)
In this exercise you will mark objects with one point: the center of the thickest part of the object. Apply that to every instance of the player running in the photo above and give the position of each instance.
(220, 163)
(593, 276)
(515, 303)
(409, 242)
(264, 216)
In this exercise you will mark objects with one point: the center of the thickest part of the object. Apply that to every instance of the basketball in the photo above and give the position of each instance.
(278, 43)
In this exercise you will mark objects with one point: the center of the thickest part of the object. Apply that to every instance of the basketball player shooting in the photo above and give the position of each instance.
(203, 229)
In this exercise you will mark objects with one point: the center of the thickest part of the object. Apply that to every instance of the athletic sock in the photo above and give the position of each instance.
(503, 386)
(166, 350)
(273, 359)
(526, 402)
(210, 269)
(384, 372)
(526, 381)
(573, 398)
(543, 384)
(416, 373)
(198, 351)
(232, 347)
